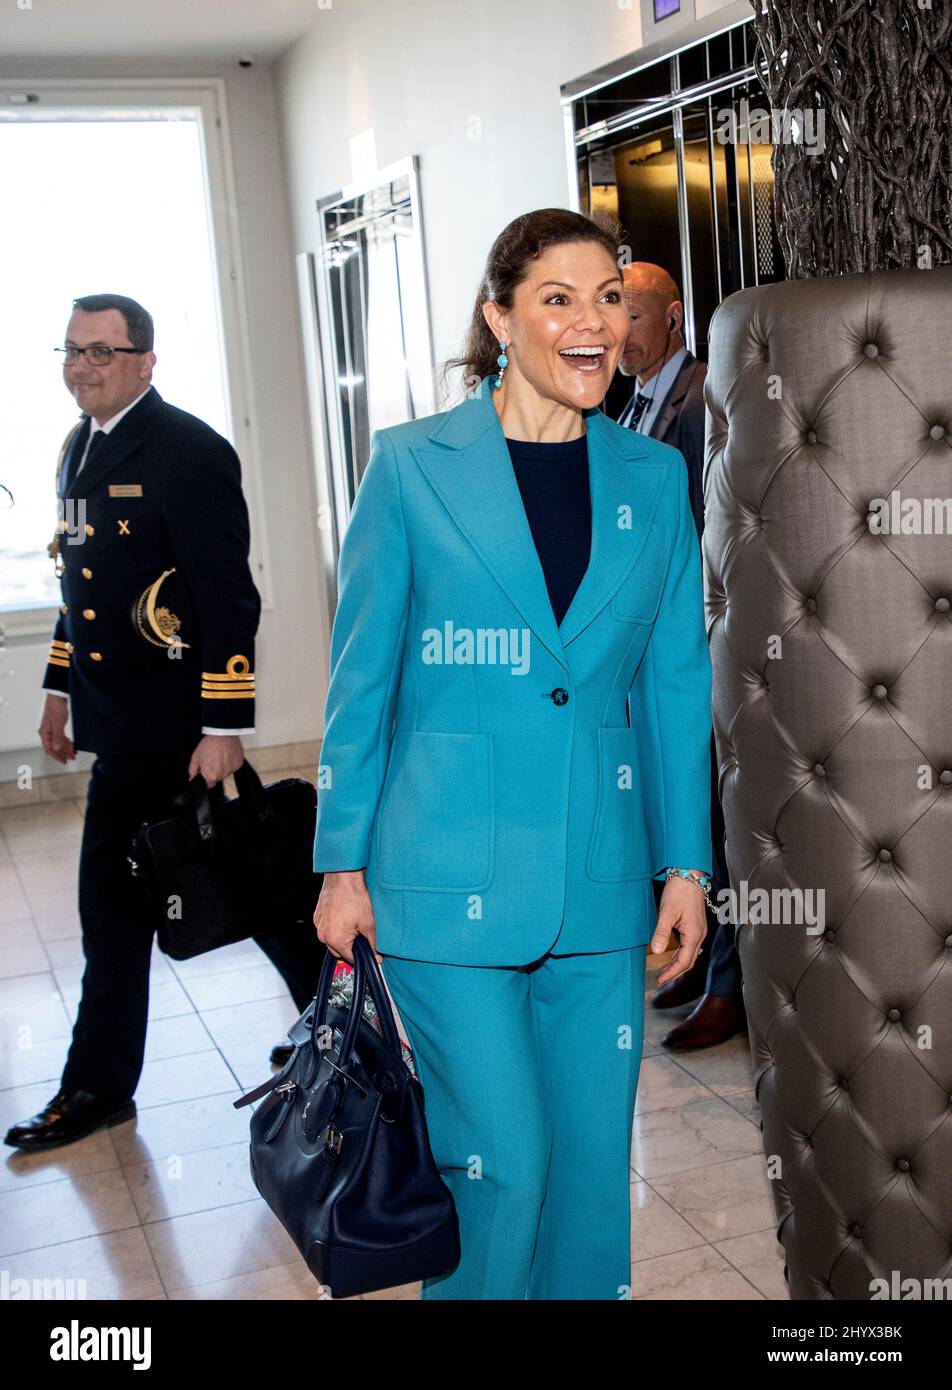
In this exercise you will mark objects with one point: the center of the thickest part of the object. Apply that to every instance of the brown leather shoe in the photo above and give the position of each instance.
(715, 1019)
(69, 1116)
(685, 989)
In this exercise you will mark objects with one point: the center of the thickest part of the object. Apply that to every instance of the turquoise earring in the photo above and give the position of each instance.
(503, 362)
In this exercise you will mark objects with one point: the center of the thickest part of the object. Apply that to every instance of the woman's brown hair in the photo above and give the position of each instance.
(524, 240)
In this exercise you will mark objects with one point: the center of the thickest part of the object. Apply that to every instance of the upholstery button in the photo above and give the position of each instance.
(844, 1083)
(894, 1015)
(89, 612)
(829, 934)
(811, 436)
(937, 432)
(945, 777)
(942, 605)
(885, 857)
(871, 350)
(558, 696)
(95, 656)
(856, 1229)
(948, 940)
(87, 573)
(902, 1164)
(819, 770)
(880, 692)
(811, 605)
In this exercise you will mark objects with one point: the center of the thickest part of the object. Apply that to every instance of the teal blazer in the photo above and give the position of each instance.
(478, 761)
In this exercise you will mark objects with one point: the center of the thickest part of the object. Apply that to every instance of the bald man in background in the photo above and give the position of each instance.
(668, 404)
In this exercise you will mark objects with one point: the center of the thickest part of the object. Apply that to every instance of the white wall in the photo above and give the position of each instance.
(291, 656)
(472, 89)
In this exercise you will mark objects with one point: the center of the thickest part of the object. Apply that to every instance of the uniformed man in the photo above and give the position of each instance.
(153, 655)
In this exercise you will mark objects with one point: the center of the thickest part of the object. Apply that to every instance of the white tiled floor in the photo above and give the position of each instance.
(164, 1206)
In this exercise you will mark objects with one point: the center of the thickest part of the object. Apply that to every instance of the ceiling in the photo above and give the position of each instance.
(219, 30)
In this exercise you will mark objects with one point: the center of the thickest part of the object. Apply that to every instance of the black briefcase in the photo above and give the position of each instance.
(216, 868)
(340, 1150)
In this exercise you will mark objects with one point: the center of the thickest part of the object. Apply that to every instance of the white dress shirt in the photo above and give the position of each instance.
(107, 428)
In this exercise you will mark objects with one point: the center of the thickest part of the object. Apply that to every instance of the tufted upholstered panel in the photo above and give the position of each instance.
(832, 656)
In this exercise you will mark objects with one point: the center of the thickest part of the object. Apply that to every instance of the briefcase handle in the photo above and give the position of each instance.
(202, 799)
(249, 787)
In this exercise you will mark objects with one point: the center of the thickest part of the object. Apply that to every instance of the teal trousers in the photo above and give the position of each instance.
(529, 1076)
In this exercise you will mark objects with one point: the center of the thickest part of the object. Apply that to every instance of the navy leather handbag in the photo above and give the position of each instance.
(340, 1151)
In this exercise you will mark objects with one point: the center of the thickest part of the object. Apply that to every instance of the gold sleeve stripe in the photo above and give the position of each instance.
(56, 642)
(227, 677)
(243, 686)
(227, 694)
(59, 661)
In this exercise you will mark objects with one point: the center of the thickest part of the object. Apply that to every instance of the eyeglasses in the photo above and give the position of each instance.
(98, 355)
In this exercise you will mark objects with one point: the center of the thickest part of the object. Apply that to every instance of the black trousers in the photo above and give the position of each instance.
(108, 1043)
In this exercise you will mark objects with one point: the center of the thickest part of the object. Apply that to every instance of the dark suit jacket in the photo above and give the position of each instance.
(680, 422)
(161, 492)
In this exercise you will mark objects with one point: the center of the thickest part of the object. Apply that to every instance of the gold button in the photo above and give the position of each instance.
(95, 656)
(89, 529)
(70, 647)
(64, 607)
(61, 526)
(89, 612)
(87, 574)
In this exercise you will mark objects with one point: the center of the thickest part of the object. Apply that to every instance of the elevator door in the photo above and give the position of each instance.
(680, 152)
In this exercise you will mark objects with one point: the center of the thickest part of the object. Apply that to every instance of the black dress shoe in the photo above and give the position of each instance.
(69, 1116)
(715, 1019)
(281, 1054)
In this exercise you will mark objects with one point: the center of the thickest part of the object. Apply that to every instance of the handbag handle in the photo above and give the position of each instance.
(365, 966)
(366, 974)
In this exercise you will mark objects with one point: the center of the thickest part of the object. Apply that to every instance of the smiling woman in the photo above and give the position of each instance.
(146, 233)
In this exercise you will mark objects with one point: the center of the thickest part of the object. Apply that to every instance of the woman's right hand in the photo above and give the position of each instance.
(343, 912)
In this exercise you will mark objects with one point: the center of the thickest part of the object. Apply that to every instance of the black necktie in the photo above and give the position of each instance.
(94, 444)
(638, 409)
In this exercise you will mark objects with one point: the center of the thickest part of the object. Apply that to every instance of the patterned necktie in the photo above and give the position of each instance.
(638, 409)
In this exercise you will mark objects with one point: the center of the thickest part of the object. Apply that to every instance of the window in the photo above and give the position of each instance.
(98, 199)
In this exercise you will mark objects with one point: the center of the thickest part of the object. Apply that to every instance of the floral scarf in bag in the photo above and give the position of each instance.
(341, 997)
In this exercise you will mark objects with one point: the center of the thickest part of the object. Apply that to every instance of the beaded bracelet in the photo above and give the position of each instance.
(702, 880)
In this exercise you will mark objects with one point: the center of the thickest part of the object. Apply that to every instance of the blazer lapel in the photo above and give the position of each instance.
(677, 393)
(116, 447)
(467, 462)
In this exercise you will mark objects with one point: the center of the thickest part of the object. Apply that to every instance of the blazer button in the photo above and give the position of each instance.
(558, 696)
(95, 656)
(64, 607)
(90, 530)
(89, 612)
(87, 573)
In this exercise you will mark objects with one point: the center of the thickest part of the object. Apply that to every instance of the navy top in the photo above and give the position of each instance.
(553, 481)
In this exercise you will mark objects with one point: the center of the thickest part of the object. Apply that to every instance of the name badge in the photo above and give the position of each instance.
(125, 489)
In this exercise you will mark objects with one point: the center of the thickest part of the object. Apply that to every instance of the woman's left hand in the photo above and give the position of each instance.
(682, 906)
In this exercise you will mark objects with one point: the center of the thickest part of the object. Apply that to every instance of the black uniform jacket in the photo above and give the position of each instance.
(155, 637)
